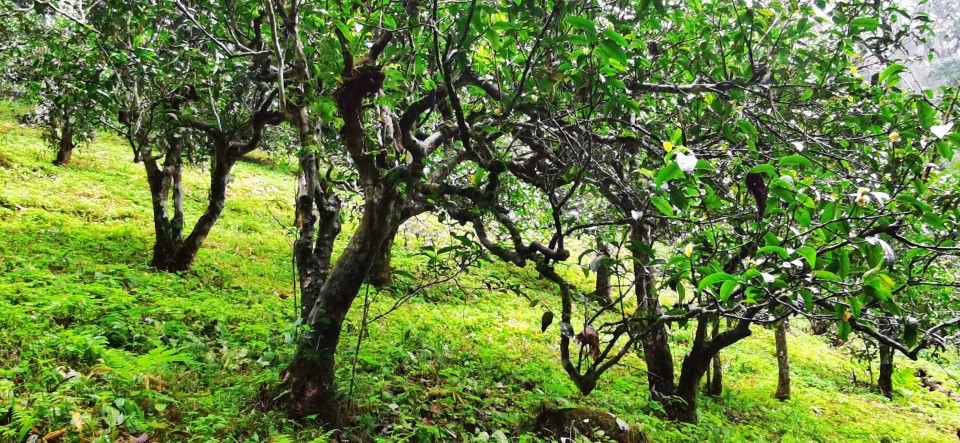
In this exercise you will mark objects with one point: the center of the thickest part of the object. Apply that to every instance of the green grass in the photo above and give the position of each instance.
(94, 342)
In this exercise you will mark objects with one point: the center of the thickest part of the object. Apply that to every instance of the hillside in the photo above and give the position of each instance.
(94, 343)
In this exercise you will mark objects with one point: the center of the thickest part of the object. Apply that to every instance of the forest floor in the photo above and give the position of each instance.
(96, 345)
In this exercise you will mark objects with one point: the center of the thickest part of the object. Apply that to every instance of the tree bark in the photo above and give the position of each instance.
(655, 341)
(381, 274)
(186, 252)
(64, 147)
(885, 378)
(604, 274)
(310, 378)
(165, 183)
(172, 252)
(783, 362)
(715, 379)
(60, 130)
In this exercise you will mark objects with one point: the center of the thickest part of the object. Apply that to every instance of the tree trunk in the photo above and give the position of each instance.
(327, 296)
(64, 147)
(697, 361)
(313, 259)
(310, 378)
(655, 341)
(679, 399)
(165, 182)
(715, 379)
(381, 274)
(885, 379)
(186, 253)
(604, 274)
(783, 362)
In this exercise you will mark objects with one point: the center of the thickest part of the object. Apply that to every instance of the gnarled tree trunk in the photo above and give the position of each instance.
(310, 378)
(186, 252)
(172, 252)
(165, 184)
(678, 398)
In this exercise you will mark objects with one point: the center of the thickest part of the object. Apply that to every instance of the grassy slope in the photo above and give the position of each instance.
(183, 357)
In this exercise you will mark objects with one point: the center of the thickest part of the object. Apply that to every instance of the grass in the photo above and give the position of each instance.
(94, 343)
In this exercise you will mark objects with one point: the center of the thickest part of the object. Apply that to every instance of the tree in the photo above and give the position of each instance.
(175, 100)
(52, 60)
(742, 138)
(729, 153)
(399, 134)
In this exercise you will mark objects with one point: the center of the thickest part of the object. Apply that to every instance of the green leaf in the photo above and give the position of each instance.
(843, 330)
(795, 160)
(613, 52)
(891, 75)
(809, 253)
(926, 113)
(807, 298)
(781, 251)
(827, 275)
(615, 36)
(764, 168)
(879, 286)
(662, 205)
(934, 220)
(586, 25)
(669, 172)
(546, 320)
(802, 216)
(726, 289)
(911, 332)
(715, 278)
(945, 149)
(915, 202)
(856, 304)
(862, 24)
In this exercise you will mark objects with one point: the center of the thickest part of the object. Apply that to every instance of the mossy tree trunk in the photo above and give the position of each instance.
(329, 290)
(310, 378)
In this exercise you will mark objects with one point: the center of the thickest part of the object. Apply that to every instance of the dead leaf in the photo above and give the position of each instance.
(590, 337)
(76, 419)
(55, 435)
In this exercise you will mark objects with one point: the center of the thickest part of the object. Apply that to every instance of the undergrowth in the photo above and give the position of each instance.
(95, 344)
